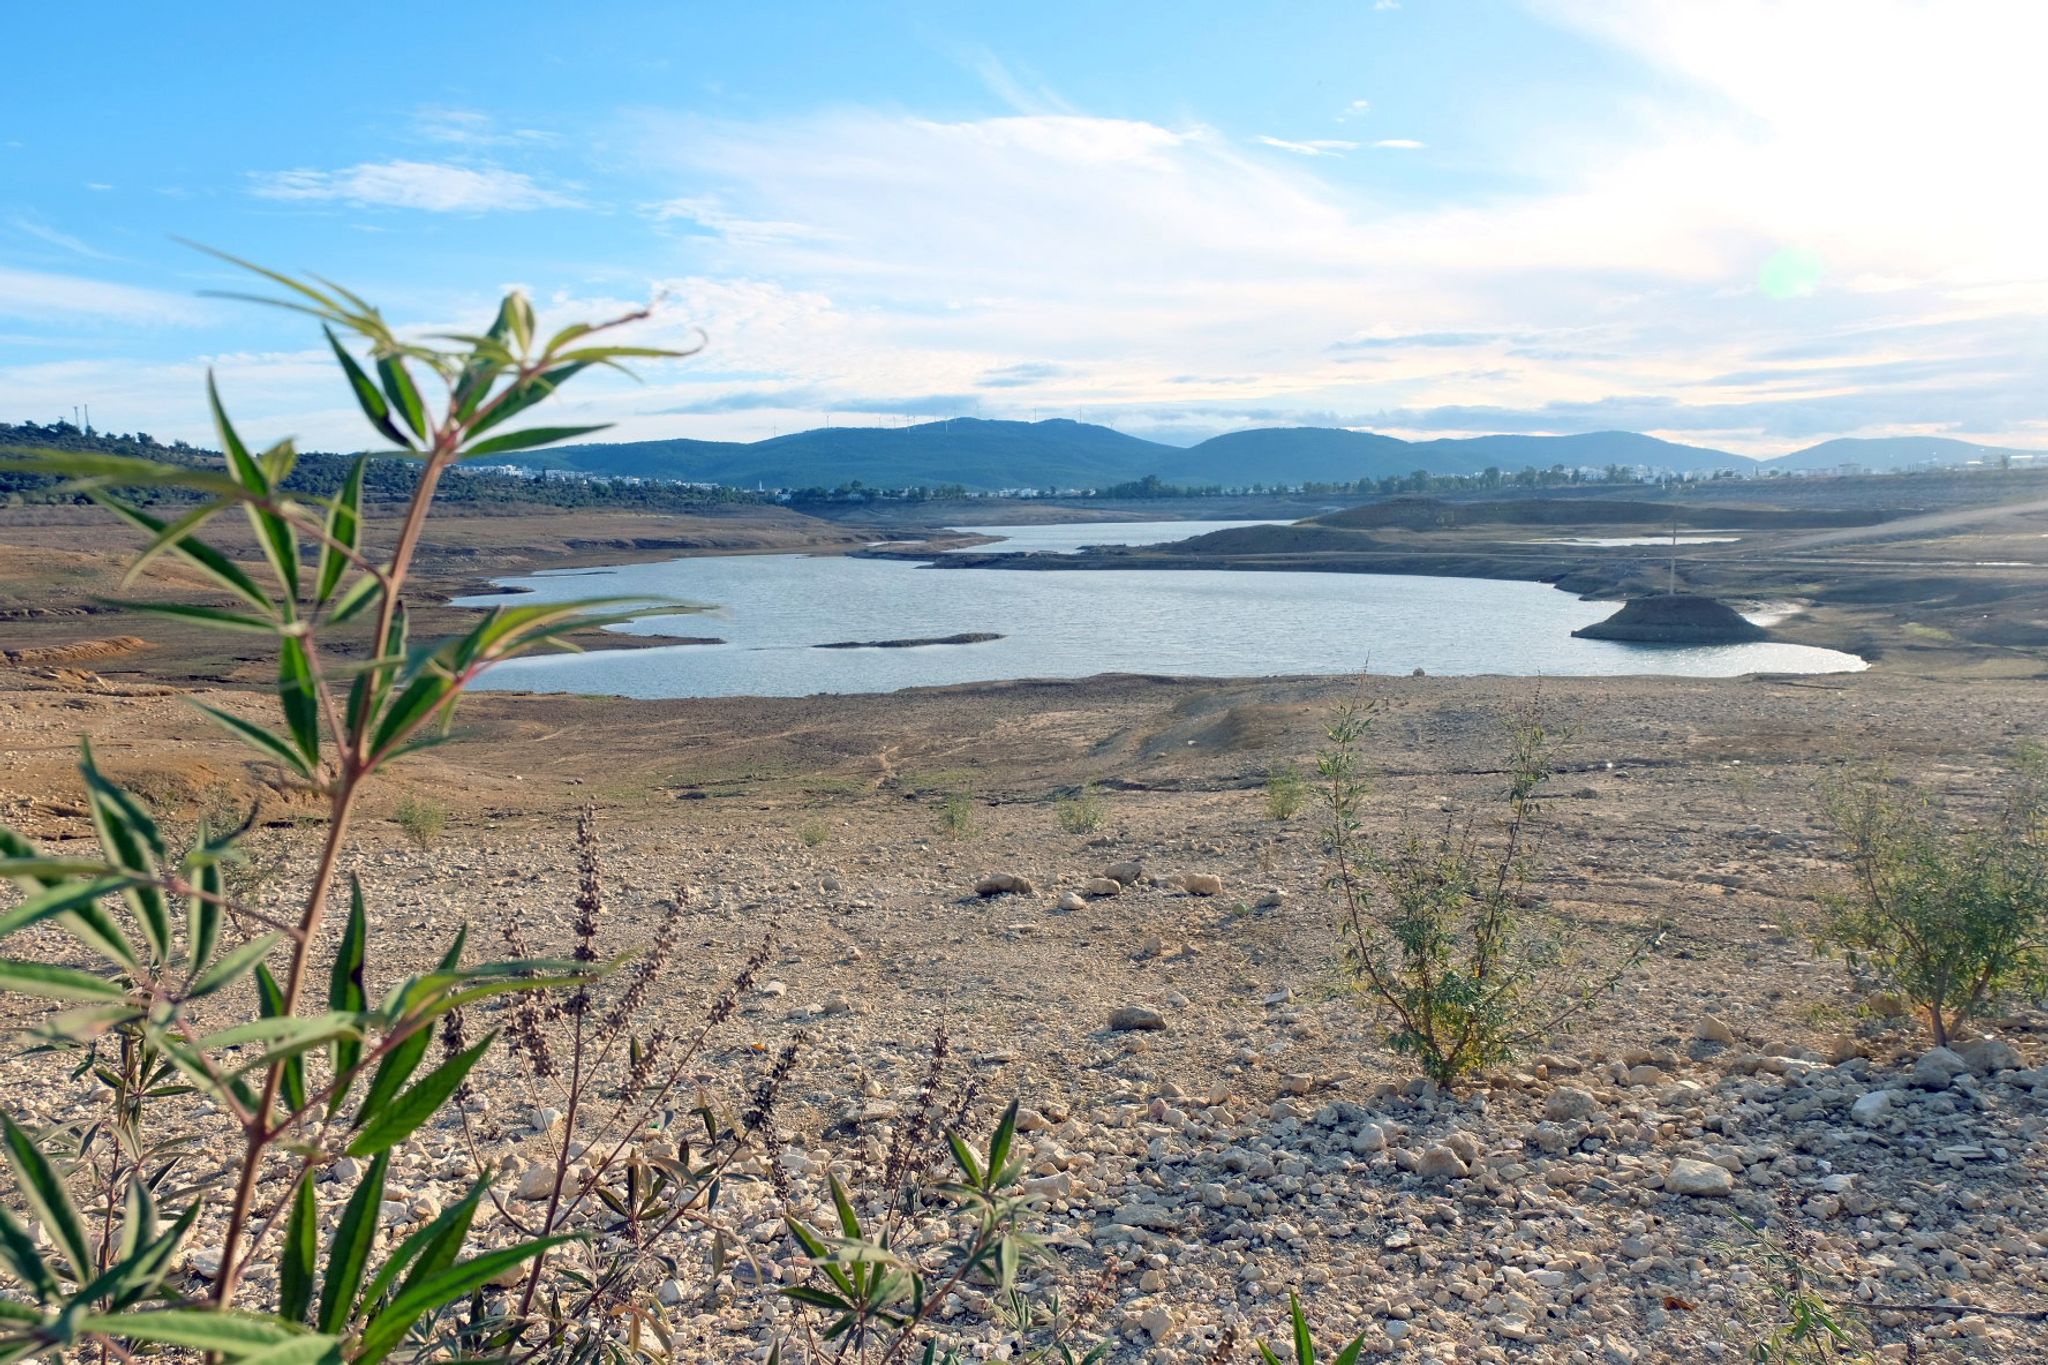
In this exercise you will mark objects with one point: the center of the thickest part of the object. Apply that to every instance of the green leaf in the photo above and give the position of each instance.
(203, 910)
(389, 1126)
(232, 966)
(367, 397)
(51, 982)
(404, 396)
(18, 1248)
(197, 553)
(207, 616)
(528, 439)
(393, 1072)
(47, 1198)
(357, 595)
(293, 1031)
(61, 899)
(133, 844)
(439, 1290)
(292, 1080)
(169, 537)
(535, 390)
(241, 465)
(433, 1248)
(349, 1249)
(1304, 1349)
(306, 1350)
(301, 1253)
(280, 543)
(231, 1333)
(345, 987)
(299, 696)
(344, 527)
(123, 469)
(259, 739)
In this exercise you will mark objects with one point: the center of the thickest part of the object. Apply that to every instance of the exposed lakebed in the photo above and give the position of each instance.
(773, 612)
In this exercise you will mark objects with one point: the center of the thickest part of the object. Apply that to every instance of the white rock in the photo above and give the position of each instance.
(1872, 1108)
(1701, 1179)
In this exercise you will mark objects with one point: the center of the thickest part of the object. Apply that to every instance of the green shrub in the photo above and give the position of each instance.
(1436, 931)
(1085, 812)
(1287, 791)
(1803, 1318)
(421, 818)
(813, 832)
(1950, 914)
(956, 815)
(183, 1021)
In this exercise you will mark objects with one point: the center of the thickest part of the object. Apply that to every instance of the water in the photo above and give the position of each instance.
(1605, 541)
(1068, 537)
(773, 610)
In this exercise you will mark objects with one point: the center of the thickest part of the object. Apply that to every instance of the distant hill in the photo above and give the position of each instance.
(1897, 452)
(986, 455)
(981, 454)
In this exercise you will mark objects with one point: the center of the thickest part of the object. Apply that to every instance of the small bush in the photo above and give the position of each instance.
(813, 832)
(1085, 812)
(1803, 1319)
(1286, 792)
(1950, 914)
(421, 818)
(1437, 930)
(956, 815)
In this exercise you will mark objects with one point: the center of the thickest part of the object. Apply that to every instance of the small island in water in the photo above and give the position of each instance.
(971, 637)
(1675, 618)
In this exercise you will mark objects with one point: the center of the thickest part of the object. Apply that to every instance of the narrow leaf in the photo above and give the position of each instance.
(367, 397)
(50, 982)
(44, 1190)
(301, 1253)
(345, 987)
(395, 1123)
(348, 1251)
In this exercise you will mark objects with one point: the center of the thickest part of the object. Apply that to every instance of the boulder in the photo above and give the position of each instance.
(1201, 884)
(1700, 1179)
(1136, 1019)
(1441, 1163)
(1102, 886)
(1003, 884)
(1569, 1104)
(1125, 872)
(1937, 1067)
(1987, 1054)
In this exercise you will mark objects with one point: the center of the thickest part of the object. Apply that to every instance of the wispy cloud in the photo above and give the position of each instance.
(1321, 146)
(43, 232)
(1399, 144)
(38, 295)
(432, 186)
(473, 128)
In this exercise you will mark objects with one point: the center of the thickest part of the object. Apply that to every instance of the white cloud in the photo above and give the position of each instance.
(472, 128)
(43, 232)
(1323, 146)
(1399, 144)
(437, 187)
(1355, 109)
(40, 296)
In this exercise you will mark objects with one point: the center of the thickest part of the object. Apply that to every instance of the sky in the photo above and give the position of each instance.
(1751, 224)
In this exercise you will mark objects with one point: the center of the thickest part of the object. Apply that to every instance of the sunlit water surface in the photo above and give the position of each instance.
(772, 611)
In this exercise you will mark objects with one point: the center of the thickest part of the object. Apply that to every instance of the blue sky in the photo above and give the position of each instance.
(1747, 224)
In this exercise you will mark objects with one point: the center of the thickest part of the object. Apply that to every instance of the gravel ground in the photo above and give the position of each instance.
(1579, 1206)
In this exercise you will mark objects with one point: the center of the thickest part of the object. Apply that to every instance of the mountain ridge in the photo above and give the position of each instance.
(990, 454)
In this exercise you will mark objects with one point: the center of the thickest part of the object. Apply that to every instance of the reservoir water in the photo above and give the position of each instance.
(773, 611)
